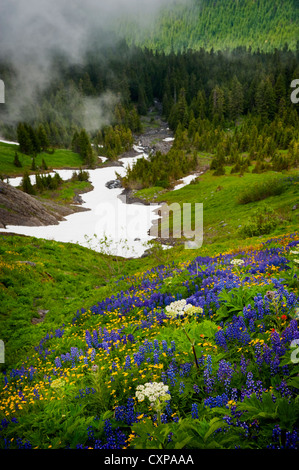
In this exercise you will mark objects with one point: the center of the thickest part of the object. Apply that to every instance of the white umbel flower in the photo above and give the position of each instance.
(154, 391)
(237, 262)
(180, 307)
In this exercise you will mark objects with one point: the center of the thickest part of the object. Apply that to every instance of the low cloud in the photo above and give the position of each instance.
(32, 31)
(97, 112)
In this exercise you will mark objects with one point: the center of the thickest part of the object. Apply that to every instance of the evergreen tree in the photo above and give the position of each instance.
(24, 139)
(198, 105)
(85, 85)
(167, 104)
(81, 143)
(26, 184)
(217, 104)
(42, 137)
(265, 99)
(34, 139)
(44, 166)
(179, 112)
(16, 161)
(39, 183)
(33, 165)
(237, 99)
(75, 142)
(142, 105)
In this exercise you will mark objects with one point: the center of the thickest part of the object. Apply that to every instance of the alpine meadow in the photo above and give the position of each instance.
(149, 229)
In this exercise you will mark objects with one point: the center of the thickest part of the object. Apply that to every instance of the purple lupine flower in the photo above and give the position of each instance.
(225, 373)
(127, 363)
(243, 364)
(194, 411)
(182, 388)
(88, 339)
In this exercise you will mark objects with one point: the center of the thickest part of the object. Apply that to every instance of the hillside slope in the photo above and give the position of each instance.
(236, 387)
(264, 24)
(20, 208)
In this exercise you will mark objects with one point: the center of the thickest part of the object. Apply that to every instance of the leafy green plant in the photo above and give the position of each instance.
(262, 222)
(186, 433)
(149, 436)
(99, 400)
(234, 301)
(267, 410)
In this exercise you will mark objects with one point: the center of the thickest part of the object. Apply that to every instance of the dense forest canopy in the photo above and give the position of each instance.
(219, 24)
(199, 90)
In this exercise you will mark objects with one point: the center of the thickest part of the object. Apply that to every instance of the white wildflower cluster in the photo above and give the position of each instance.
(192, 310)
(58, 383)
(237, 262)
(177, 308)
(156, 392)
(292, 252)
(296, 261)
(180, 307)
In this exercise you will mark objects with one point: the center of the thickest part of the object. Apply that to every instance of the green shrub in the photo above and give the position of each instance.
(263, 190)
(219, 171)
(262, 222)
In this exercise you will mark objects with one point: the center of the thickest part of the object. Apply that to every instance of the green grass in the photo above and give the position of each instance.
(223, 216)
(61, 158)
(66, 191)
(148, 194)
(59, 410)
(64, 277)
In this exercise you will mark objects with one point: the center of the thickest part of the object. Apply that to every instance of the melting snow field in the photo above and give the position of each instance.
(109, 224)
(184, 182)
(124, 226)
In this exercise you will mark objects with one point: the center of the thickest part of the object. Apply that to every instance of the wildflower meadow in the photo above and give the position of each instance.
(201, 354)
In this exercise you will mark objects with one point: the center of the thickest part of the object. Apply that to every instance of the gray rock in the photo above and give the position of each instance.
(42, 312)
(19, 208)
(77, 199)
(113, 184)
(31, 263)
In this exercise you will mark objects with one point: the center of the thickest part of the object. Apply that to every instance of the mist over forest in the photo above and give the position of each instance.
(46, 47)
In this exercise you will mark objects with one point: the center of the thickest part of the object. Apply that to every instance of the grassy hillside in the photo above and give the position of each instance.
(41, 275)
(83, 333)
(61, 158)
(224, 216)
(225, 365)
(221, 24)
